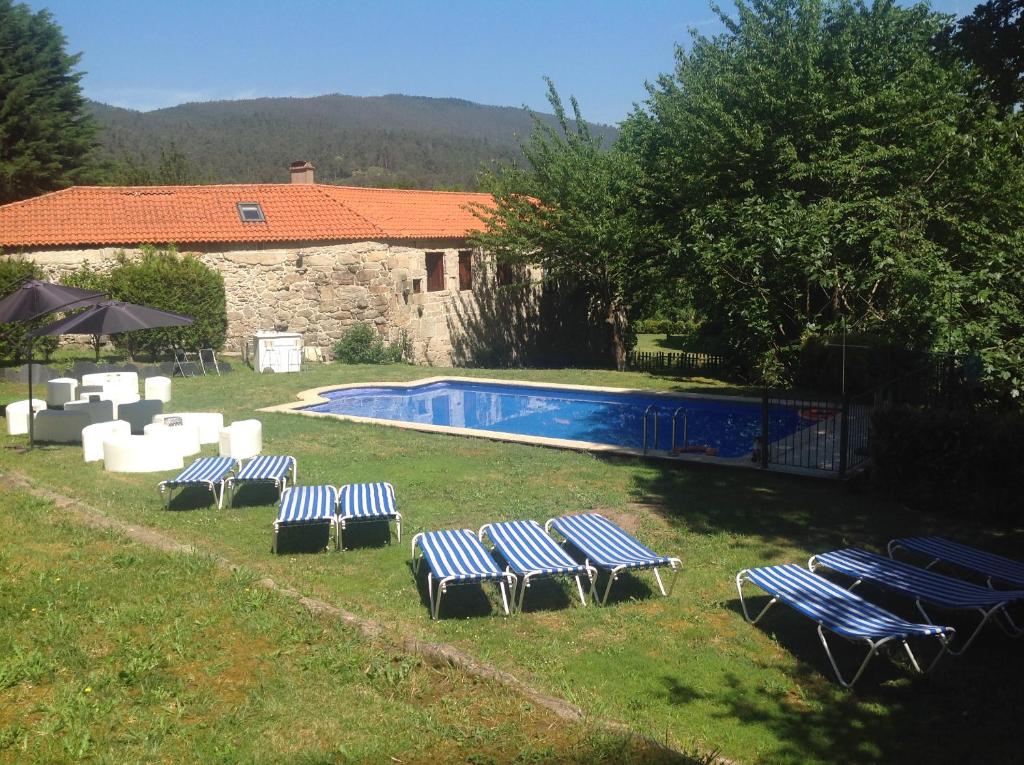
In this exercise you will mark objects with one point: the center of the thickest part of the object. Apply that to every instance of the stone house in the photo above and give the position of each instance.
(308, 257)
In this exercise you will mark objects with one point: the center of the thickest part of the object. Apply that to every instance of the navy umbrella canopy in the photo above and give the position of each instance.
(35, 298)
(110, 317)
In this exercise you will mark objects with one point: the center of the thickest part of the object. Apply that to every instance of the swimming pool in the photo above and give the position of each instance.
(560, 415)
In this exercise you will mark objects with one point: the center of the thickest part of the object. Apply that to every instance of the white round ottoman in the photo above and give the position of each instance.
(185, 438)
(209, 423)
(140, 454)
(94, 435)
(158, 388)
(242, 439)
(60, 391)
(17, 416)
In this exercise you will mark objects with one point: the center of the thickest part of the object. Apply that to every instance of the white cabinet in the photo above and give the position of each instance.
(277, 351)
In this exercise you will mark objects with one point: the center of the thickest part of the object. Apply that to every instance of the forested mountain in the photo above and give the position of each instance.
(392, 140)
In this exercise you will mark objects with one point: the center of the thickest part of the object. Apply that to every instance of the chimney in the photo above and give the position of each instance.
(302, 171)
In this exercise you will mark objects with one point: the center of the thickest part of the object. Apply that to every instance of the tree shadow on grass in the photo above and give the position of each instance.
(959, 713)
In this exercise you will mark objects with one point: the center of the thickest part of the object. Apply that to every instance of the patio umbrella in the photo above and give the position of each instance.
(35, 298)
(111, 317)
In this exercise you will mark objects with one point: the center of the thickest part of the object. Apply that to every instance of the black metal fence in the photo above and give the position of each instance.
(813, 433)
(675, 361)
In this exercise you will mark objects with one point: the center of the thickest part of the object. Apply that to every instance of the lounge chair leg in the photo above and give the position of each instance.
(677, 566)
(743, 603)
(521, 586)
(985, 616)
(657, 578)
(338, 528)
(398, 527)
(579, 587)
(430, 596)
(872, 650)
(612, 575)
(502, 584)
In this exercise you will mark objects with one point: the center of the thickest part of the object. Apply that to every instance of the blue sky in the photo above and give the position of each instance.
(144, 54)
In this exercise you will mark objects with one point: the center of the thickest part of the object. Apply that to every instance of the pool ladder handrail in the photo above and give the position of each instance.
(652, 409)
(686, 428)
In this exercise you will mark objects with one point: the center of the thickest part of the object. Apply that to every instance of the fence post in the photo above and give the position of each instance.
(764, 428)
(844, 436)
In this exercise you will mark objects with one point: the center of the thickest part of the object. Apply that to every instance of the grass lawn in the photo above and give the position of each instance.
(660, 343)
(686, 669)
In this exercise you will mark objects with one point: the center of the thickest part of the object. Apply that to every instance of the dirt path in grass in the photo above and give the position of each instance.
(434, 654)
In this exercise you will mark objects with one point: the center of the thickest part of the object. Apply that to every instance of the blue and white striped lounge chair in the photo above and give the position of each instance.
(839, 611)
(925, 587)
(367, 502)
(607, 546)
(275, 469)
(209, 472)
(531, 553)
(307, 506)
(457, 557)
(995, 568)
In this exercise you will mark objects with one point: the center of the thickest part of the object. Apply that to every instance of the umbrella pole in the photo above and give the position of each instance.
(31, 403)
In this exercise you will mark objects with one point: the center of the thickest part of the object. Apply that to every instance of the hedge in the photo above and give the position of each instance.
(362, 344)
(969, 464)
(171, 282)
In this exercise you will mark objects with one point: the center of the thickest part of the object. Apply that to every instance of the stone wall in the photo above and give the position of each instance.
(320, 289)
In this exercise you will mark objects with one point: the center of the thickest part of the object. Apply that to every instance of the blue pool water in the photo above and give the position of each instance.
(578, 415)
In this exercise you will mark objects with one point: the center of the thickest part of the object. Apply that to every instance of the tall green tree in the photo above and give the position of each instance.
(819, 167)
(46, 135)
(992, 39)
(571, 211)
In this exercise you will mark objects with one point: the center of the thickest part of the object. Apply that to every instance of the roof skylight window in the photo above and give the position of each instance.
(251, 212)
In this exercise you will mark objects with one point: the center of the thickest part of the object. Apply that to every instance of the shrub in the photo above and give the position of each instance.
(14, 336)
(362, 344)
(969, 464)
(170, 282)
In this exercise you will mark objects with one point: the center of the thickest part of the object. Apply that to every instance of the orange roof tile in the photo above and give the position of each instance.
(129, 215)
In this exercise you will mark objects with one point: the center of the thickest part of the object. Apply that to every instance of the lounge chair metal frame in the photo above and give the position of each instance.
(945, 635)
(331, 522)
(184, 479)
(280, 482)
(614, 571)
(389, 498)
(991, 610)
(506, 581)
(568, 567)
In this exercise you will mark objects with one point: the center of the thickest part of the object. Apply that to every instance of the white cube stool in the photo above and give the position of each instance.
(94, 435)
(209, 423)
(60, 391)
(242, 439)
(158, 388)
(119, 386)
(140, 454)
(17, 416)
(185, 438)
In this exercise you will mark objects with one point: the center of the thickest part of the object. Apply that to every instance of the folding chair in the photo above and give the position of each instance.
(183, 360)
(531, 553)
(268, 468)
(208, 472)
(457, 557)
(306, 506)
(839, 611)
(607, 546)
(367, 502)
(208, 355)
(925, 587)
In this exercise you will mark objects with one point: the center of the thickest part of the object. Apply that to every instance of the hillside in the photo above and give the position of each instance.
(393, 140)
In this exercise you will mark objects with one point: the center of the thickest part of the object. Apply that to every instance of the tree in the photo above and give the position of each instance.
(818, 167)
(46, 135)
(992, 39)
(571, 212)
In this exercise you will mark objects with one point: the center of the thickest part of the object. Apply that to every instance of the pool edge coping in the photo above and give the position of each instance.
(313, 396)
